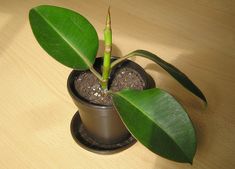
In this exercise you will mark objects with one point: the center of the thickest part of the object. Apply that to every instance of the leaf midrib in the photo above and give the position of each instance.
(129, 101)
(67, 41)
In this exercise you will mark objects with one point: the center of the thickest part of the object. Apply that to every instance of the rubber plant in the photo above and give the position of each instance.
(153, 116)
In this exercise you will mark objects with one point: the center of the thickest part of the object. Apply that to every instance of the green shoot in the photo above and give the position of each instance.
(107, 51)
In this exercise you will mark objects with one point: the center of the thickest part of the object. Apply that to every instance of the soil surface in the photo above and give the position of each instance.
(87, 85)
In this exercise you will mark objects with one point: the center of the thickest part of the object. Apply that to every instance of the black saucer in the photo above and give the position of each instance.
(81, 137)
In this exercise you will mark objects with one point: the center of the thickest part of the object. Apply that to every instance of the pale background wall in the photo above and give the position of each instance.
(197, 36)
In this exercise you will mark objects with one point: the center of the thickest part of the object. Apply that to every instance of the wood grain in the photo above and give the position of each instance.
(196, 36)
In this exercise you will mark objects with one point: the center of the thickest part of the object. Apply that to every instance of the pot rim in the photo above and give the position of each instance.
(70, 82)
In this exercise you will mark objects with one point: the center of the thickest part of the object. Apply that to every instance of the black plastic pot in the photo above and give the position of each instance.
(102, 124)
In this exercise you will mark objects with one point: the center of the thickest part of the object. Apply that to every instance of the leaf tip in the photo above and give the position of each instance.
(203, 99)
(190, 161)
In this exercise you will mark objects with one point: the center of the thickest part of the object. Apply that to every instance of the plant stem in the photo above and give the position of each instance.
(107, 51)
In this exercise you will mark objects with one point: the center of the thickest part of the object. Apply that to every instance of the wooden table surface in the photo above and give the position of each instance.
(197, 36)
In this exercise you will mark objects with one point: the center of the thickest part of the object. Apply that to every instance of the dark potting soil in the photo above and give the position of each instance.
(87, 85)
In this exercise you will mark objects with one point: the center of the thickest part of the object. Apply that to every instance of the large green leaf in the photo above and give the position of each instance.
(65, 35)
(172, 70)
(158, 121)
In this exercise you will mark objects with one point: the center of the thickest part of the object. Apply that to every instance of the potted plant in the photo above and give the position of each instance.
(107, 87)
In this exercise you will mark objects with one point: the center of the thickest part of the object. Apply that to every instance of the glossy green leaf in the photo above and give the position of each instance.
(158, 121)
(172, 70)
(65, 35)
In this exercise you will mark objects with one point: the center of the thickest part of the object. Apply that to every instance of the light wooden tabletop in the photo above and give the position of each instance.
(197, 36)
